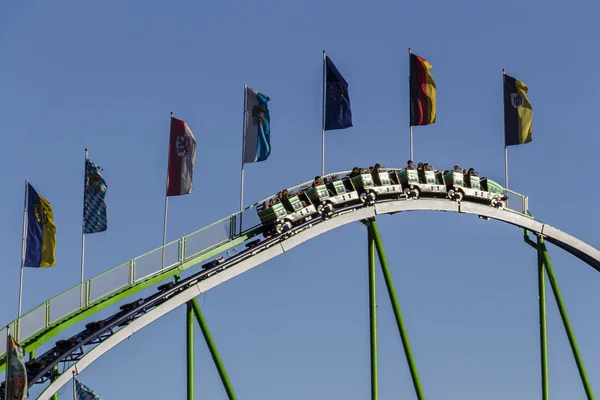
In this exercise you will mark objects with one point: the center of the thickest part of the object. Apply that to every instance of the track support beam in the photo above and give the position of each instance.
(190, 350)
(373, 317)
(543, 324)
(55, 373)
(213, 350)
(397, 313)
(565, 319)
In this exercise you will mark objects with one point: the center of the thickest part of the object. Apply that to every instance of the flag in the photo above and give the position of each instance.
(338, 114)
(422, 92)
(257, 124)
(16, 374)
(83, 392)
(182, 154)
(94, 199)
(41, 232)
(517, 112)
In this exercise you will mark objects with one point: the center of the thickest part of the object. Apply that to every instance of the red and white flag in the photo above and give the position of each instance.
(182, 154)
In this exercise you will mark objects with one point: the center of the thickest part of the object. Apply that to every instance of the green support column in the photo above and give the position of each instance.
(392, 293)
(54, 375)
(373, 318)
(543, 324)
(565, 318)
(213, 350)
(190, 351)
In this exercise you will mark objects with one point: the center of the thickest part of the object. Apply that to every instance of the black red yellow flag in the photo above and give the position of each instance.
(422, 92)
(517, 112)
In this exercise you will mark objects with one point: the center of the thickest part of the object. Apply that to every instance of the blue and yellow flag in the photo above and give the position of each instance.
(94, 199)
(41, 232)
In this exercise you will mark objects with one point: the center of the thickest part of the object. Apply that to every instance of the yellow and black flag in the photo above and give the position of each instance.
(422, 92)
(517, 112)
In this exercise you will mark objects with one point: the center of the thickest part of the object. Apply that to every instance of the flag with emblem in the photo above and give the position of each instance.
(182, 155)
(422, 92)
(257, 127)
(338, 114)
(41, 231)
(82, 392)
(94, 199)
(517, 112)
(16, 374)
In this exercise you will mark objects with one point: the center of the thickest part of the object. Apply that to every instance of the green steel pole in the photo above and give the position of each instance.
(213, 350)
(543, 324)
(190, 351)
(392, 293)
(53, 378)
(373, 318)
(566, 323)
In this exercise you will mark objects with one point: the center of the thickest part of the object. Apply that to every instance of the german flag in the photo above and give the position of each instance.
(517, 112)
(422, 92)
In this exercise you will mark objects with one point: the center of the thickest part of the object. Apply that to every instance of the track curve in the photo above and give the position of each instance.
(569, 243)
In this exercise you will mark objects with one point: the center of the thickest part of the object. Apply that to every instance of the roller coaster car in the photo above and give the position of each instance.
(66, 344)
(252, 244)
(132, 305)
(417, 182)
(165, 286)
(387, 183)
(331, 195)
(470, 186)
(272, 216)
(364, 185)
(34, 366)
(94, 326)
(213, 263)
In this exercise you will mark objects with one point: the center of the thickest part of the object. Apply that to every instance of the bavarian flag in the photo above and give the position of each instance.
(422, 92)
(517, 112)
(41, 232)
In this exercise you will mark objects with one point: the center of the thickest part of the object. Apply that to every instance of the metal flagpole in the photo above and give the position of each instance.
(7, 363)
(74, 390)
(505, 147)
(166, 200)
(324, 84)
(81, 298)
(243, 151)
(409, 100)
(23, 243)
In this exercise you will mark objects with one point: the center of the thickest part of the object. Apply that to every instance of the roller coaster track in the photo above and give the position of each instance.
(92, 343)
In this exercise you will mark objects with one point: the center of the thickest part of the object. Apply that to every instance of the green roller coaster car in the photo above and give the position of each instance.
(419, 182)
(271, 215)
(334, 193)
(364, 185)
(470, 186)
(387, 183)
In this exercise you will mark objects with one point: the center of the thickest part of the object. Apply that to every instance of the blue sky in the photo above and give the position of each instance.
(106, 75)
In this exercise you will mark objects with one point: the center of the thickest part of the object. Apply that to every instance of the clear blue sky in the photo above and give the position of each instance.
(105, 75)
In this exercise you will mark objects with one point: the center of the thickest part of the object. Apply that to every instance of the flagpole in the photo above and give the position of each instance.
(323, 85)
(74, 389)
(7, 363)
(166, 200)
(409, 109)
(83, 218)
(243, 145)
(505, 147)
(23, 242)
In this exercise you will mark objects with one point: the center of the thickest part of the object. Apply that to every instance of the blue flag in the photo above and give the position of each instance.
(41, 231)
(94, 199)
(257, 124)
(338, 114)
(83, 392)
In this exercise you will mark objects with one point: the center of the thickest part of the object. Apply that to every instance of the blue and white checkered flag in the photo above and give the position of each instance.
(83, 392)
(94, 197)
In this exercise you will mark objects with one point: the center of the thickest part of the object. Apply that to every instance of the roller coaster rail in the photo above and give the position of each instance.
(81, 301)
